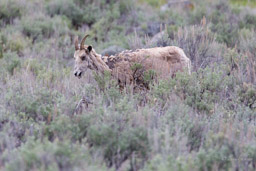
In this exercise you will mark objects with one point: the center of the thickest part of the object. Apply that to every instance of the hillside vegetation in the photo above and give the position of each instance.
(202, 121)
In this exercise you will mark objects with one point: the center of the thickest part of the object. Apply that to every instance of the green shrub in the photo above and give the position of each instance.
(10, 9)
(12, 62)
(161, 91)
(154, 3)
(219, 151)
(169, 162)
(244, 3)
(226, 34)
(247, 95)
(118, 146)
(103, 81)
(76, 14)
(198, 14)
(39, 27)
(195, 136)
(149, 76)
(251, 155)
(38, 106)
(34, 66)
(107, 28)
(64, 127)
(245, 61)
(219, 158)
(247, 39)
(198, 44)
(225, 23)
(47, 155)
(3, 42)
(176, 21)
(16, 42)
(1, 49)
(249, 22)
(126, 6)
(201, 90)
(109, 86)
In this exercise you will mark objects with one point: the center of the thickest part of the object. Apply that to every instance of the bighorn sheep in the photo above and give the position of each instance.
(132, 67)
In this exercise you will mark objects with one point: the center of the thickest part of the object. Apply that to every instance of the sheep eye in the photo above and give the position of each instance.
(83, 58)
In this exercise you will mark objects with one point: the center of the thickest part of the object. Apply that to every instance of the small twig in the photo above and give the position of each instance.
(79, 106)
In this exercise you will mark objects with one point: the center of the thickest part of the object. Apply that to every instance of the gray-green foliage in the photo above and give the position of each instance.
(11, 62)
(202, 121)
(77, 15)
(46, 155)
(39, 27)
(10, 9)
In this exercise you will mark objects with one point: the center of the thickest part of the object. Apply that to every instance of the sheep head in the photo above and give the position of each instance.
(82, 57)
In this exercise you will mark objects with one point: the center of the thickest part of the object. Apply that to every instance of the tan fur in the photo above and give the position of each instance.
(165, 61)
(129, 67)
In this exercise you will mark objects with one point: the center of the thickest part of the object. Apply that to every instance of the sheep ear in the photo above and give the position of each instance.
(89, 48)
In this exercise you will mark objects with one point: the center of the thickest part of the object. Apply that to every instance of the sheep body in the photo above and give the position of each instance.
(133, 67)
(130, 66)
